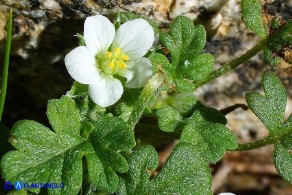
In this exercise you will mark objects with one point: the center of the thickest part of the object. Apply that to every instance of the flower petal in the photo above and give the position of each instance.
(135, 38)
(99, 33)
(106, 92)
(80, 64)
(142, 73)
(128, 74)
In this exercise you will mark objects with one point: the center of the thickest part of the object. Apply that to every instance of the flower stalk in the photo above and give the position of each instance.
(233, 64)
(147, 98)
(6, 64)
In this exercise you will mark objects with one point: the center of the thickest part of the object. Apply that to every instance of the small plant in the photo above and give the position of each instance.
(97, 142)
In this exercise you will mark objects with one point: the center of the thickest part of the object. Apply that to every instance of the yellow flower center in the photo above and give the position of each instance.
(113, 60)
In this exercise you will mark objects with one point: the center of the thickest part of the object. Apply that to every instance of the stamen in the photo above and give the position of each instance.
(108, 55)
(118, 51)
(125, 57)
(122, 64)
(111, 64)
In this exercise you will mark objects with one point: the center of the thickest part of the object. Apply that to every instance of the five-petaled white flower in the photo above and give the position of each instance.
(108, 54)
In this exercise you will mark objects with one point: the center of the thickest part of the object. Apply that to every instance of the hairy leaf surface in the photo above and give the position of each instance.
(185, 172)
(43, 155)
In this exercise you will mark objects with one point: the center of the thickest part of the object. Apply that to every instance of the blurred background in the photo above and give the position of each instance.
(43, 33)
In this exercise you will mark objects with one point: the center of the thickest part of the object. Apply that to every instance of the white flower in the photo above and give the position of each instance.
(108, 54)
(226, 193)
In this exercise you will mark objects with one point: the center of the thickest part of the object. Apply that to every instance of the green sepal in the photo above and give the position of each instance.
(161, 63)
(188, 176)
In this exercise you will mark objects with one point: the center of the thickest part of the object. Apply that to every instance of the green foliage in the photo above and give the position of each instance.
(168, 119)
(90, 148)
(206, 130)
(271, 108)
(199, 67)
(46, 156)
(283, 152)
(280, 39)
(88, 109)
(185, 43)
(147, 98)
(185, 172)
(161, 63)
(183, 102)
(254, 17)
(125, 106)
(184, 40)
(283, 158)
(270, 58)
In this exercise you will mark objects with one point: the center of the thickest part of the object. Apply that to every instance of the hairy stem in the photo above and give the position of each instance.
(271, 139)
(147, 98)
(233, 64)
(257, 144)
(6, 65)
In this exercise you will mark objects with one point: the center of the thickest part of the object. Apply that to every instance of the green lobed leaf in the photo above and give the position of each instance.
(253, 17)
(271, 108)
(207, 114)
(283, 152)
(283, 159)
(281, 37)
(206, 131)
(137, 178)
(185, 43)
(62, 123)
(198, 42)
(185, 172)
(42, 155)
(199, 67)
(184, 40)
(168, 118)
(270, 58)
(125, 106)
